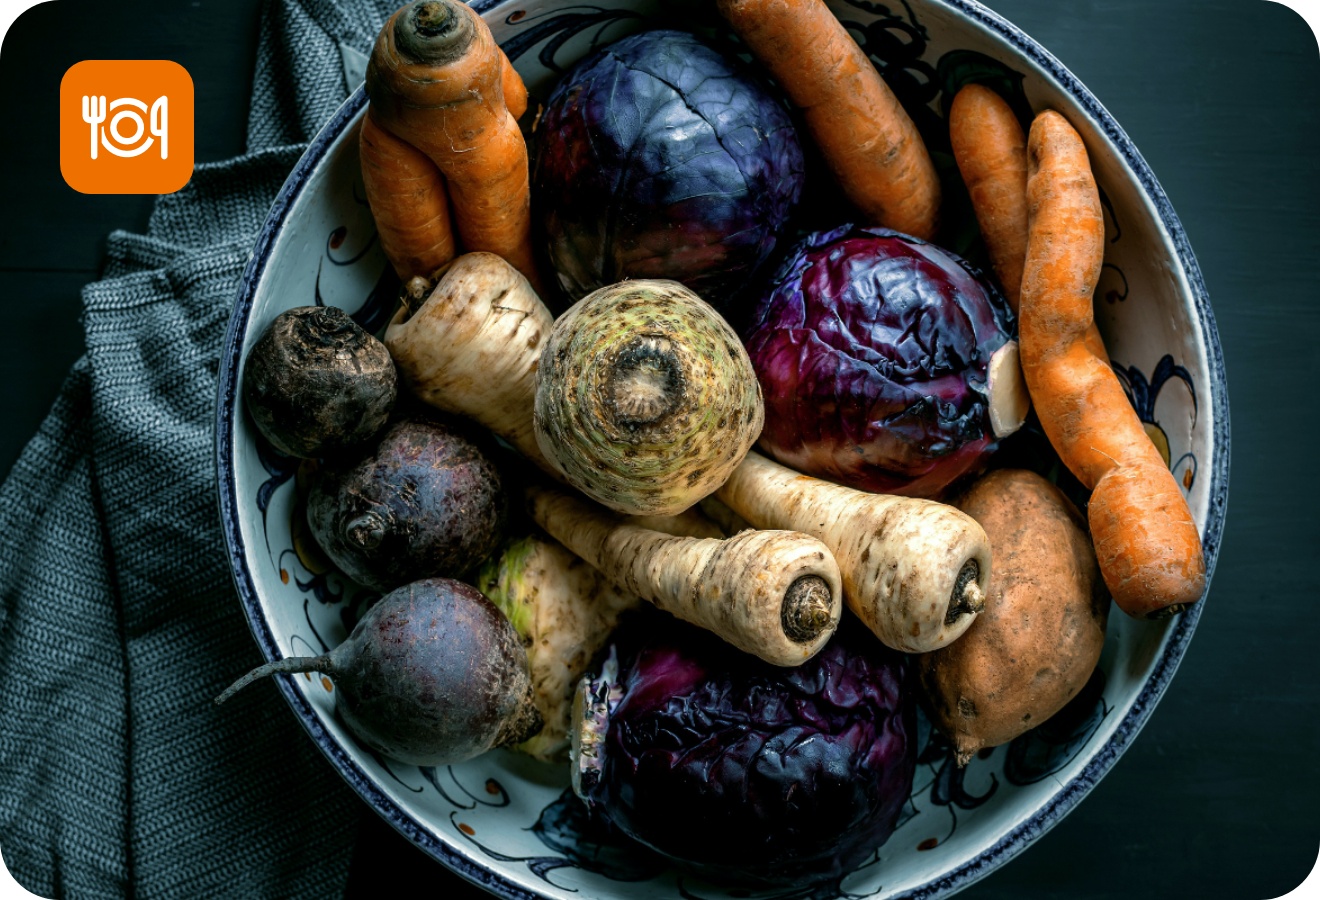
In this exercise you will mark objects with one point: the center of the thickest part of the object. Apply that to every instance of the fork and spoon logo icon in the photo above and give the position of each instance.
(131, 111)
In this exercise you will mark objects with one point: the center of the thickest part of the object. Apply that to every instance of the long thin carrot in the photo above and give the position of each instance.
(1146, 541)
(407, 196)
(436, 79)
(991, 152)
(866, 137)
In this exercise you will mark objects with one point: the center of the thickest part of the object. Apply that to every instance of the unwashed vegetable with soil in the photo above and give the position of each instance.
(773, 594)
(916, 572)
(658, 157)
(1145, 538)
(317, 384)
(436, 80)
(473, 346)
(645, 398)
(866, 137)
(433, 674)
(564, 611)
(874, 351)
(741, 771)
(427, 501)
(1040, 636)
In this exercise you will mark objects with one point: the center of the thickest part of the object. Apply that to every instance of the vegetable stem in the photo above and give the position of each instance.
(432, 33)
(290, 664)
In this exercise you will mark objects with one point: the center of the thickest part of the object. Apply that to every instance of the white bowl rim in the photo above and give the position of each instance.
(1010, 843)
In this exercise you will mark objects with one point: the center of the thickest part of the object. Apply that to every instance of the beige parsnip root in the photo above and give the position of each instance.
(916, 572)
(774, 594)
(865, 135)
(473, 346)
(1146, 540)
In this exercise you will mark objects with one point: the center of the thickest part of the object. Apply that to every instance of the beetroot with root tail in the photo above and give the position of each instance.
(433, 674)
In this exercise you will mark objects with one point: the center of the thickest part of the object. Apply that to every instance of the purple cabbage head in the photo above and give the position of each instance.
(872, 349)
(658, 157)
(744, 772)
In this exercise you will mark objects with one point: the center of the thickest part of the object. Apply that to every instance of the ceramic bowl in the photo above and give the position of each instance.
(508, 823)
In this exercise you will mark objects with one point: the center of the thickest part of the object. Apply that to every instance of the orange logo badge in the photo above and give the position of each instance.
(126, 126)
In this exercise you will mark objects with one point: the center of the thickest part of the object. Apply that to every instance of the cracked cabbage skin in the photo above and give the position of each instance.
(747, 773)
(658, 157)
(872, 349)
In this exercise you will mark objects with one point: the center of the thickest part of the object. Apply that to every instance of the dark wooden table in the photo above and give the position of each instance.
(1216, 798)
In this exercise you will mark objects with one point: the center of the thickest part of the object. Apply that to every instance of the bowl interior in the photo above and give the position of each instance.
(506, 821)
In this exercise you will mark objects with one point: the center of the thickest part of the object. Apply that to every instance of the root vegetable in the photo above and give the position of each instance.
(436, 79)
(433, 674)
(408, 200)
(1043, 627)
(915, 571)
(991, 152)
(645, 398)
(564, 611)
(865, 135)
(316, 384)
(1145, 538)
(774, 594)
(427, 501)
(473, 348)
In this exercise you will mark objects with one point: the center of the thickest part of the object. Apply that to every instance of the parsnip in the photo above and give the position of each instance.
(915, 571)
(473, 346)
(774, 594)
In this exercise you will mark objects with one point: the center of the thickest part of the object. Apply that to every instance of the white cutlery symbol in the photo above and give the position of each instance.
(93, 113)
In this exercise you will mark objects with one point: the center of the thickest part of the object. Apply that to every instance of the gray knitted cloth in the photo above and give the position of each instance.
(118, 619)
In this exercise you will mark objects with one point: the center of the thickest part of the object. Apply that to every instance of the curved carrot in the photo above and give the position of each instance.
(436, 80)
(406, 193)
(991, 152)
(1146, 541)
(867, 138)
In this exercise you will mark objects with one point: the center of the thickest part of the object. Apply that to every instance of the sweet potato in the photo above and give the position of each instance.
(1040, 636)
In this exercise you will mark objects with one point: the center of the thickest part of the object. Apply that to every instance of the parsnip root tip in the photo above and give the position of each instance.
(808, 609)
(968, 599)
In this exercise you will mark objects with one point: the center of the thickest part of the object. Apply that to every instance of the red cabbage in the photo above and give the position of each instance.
(872, 349)
(658, 157)
(744, 772)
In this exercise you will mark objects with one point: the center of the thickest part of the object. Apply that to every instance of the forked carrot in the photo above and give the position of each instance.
(991, 152)
(1146, 541)
(436, 80)
(407, 196)
(866, 137)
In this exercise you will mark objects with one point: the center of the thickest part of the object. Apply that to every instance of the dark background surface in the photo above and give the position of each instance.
(1216, 798)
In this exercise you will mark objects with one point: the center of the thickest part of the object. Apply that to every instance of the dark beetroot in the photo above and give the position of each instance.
(428, 501)
(433, 674)
(742, 771)
(316, 384)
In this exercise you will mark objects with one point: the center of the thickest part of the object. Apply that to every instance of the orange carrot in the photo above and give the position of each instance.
(867, 138)
(1145, 538)
(436, 80)
(991, 152)
(515, 92)
(407, 197)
